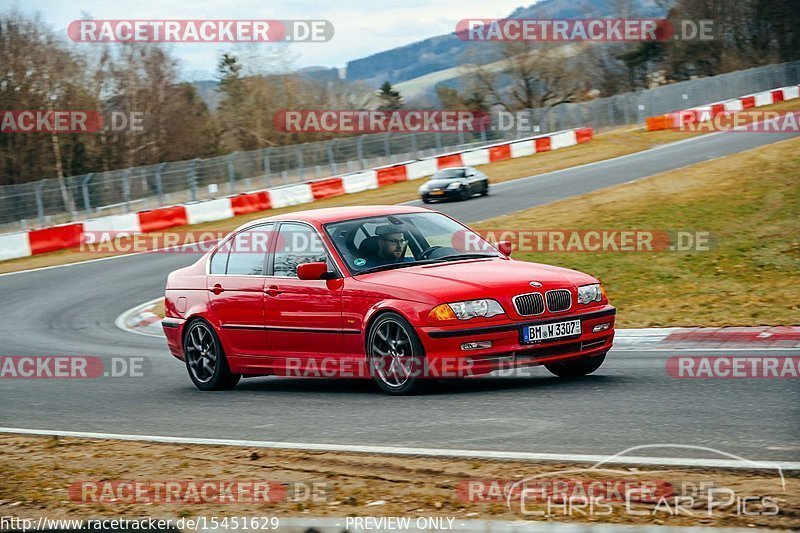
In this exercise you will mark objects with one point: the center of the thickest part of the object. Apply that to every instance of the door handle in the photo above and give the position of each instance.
(217, 289)
(272, 290)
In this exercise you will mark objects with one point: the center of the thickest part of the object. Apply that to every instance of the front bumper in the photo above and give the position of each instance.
(443, 346)
(448, 195)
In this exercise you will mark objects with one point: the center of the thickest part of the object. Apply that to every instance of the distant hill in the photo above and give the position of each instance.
(436, 60)
(447, 51)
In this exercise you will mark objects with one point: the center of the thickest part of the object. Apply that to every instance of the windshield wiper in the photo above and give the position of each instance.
(456, 257)
(392, 266)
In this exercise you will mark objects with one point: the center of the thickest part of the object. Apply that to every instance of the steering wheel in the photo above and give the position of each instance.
(426, 254)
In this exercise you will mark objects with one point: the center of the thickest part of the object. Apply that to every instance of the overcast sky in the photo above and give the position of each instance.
(361, 27)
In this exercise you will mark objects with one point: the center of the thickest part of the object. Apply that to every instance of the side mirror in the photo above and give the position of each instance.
(316, 270)
(504, 247)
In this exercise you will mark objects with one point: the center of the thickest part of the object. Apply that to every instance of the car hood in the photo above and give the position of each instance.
(441, 184)
(472, 279)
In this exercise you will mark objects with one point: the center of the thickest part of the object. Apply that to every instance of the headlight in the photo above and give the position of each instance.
(466, 310)
(453, 186)
(590, 293)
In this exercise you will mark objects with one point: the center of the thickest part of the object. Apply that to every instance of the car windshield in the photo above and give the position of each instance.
(449, 174)
(396, 241)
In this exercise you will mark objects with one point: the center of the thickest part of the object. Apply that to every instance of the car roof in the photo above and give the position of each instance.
(337, 214)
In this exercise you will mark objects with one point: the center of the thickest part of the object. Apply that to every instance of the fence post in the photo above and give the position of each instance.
(126, 189)
(231, 173)
(159, 185)
(331, 159)
(267, 168)
(414, 150)
(193, 180)
(438, 136)
(39, 202)
(300, 165)
(387, 148)
(85, 186)
(360, 151)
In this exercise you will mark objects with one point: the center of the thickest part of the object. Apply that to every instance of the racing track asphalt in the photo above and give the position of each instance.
(630, 401)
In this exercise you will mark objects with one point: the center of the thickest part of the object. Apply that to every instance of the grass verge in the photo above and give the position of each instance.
(750, 205)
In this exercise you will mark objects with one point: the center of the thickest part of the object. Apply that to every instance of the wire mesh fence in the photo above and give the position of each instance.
(45, 202)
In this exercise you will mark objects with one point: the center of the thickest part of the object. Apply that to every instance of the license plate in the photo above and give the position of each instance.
(436, 192)
(546, 332)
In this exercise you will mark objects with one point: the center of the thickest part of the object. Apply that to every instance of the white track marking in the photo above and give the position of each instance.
(426, 452)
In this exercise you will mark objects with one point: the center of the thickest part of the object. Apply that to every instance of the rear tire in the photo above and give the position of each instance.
(577, 368)
(205, 359)
(396, 356)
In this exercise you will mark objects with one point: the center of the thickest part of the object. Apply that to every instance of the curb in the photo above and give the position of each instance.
(141, 320)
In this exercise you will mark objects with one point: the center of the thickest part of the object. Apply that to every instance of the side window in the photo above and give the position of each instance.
(248, 250)
(297, 244)
(219, 261)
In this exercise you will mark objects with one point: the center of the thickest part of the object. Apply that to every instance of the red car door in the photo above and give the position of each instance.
(303, 317)
(236, 291)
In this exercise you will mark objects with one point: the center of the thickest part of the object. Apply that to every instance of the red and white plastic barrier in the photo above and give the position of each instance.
(680, 118)
(16, 245)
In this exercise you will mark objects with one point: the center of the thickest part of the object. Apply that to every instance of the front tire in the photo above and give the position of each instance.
(485, 190)
(576, 368)
(205, 360)
(465, 195)
(396, 356)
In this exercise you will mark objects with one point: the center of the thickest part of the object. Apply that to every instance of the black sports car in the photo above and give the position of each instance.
(459, 183)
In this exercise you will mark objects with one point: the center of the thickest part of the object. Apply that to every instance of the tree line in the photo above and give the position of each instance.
(41, 70)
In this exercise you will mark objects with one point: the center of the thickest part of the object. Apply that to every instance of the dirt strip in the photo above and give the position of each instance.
(79, 478)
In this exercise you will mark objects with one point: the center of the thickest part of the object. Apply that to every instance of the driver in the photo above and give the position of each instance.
(392, 245)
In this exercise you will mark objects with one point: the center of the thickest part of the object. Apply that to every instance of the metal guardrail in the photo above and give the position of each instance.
(41, 203)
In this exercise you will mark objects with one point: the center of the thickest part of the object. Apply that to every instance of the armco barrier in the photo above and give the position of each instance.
(14, 246)
(522, 148)
(499, 153)
(360, 181)
(682, 117)
(55, 238)
(327, 188)
(291, 195)
(17, 245)
(420, 169)
(163, 218)
(250, 202)
(392, 174)
(209, 211)
(475, 158)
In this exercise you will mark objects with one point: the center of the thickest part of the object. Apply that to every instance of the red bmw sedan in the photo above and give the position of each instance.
(393, 293)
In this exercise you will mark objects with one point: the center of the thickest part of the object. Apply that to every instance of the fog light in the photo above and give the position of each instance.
(477, 345)
(601, 327)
